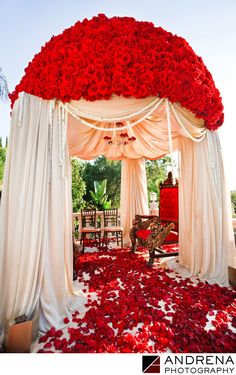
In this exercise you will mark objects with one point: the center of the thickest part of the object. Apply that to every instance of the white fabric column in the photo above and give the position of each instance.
(134, 199)
(23, 215)
(57, 283)
(35, 221)
(206, 233)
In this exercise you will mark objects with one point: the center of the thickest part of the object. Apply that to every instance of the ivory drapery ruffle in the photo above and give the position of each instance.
(151, 134)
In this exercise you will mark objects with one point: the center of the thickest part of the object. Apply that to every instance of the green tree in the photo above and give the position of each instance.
(157, 172)
(78, 185)
(103, 169)
(233, 200)
(3, 151)
(110, 170)
(99, 196)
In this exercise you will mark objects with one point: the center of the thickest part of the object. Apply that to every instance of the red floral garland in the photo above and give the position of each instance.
(99, 57)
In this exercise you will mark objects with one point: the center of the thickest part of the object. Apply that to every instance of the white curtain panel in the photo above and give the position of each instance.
(134, 199)
(57, 296)
(35, 222)
(206, 234)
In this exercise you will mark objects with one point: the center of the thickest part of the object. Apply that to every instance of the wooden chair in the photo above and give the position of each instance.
(111, 225)
(151, 233)
(89, 228)
(154, 231)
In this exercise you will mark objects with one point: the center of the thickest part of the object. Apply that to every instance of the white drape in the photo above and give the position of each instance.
(134, 198)
(117, 106)
(206, 234)
(35, 222)
(57, 295)
(23, 239)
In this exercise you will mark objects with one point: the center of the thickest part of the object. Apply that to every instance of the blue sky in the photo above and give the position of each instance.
(209, 26)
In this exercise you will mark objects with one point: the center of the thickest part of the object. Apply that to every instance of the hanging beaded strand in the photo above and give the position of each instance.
(62, 128)
(116, 119)
(63, 142)
(21, 109)
(50, 136)
(203, 133)
(170, 138)
(130, 125)
(211, 154)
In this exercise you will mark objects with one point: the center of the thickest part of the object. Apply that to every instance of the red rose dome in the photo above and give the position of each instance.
(103, 56)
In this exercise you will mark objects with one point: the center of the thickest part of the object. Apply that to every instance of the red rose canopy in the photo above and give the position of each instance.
(103, 56)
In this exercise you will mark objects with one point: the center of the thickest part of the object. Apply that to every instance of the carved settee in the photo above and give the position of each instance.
(148, 231)
(154, 231)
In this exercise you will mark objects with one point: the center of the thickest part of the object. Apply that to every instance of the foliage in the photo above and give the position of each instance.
(103, 169)
(157, 172)
(3, 151)
(233, 201)
(99, 195)
(78, 184)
